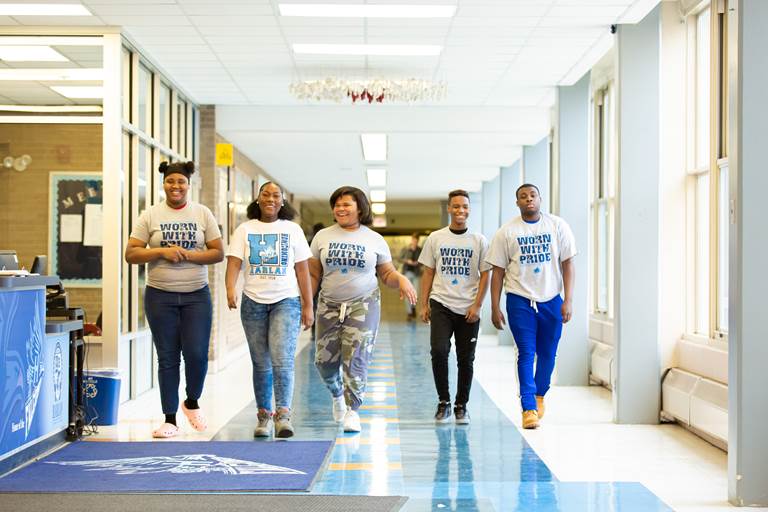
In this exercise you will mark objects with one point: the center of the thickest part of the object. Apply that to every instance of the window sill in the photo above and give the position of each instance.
(717, 343)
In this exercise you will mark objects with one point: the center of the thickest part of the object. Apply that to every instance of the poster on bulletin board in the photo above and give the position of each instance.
(75, 223)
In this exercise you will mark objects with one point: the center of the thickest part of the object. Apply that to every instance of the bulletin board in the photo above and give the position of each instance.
(75, 223)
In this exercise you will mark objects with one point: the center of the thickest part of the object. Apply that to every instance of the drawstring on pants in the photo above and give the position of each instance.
(342, 312)
(534, 306)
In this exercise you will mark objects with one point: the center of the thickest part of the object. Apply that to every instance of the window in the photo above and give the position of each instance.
(603, 202)
(164, 98)
(723, 220)
(708, 171)
(142, 180)
(145, 100)
(126, 87)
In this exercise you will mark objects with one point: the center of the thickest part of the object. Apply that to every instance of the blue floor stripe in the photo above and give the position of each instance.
(485, 466)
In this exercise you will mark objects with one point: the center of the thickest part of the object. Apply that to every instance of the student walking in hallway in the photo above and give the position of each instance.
(183, 239)
(276, 275)
(532, 255)
(453, 286)
(346, 259)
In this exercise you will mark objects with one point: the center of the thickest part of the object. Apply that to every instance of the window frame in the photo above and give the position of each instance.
(715, 168)
(604, 167)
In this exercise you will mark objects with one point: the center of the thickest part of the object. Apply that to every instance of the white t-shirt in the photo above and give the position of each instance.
(457, 261)
(269, 251)
(531, 253)
(349, 260)
(190, 228)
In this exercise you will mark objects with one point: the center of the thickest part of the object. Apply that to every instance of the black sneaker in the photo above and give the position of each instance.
(443, 414)
(461, 414)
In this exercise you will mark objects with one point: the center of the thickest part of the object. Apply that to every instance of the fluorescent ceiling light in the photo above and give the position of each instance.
(79, 92)
(368, 11)
(377, 178)
(400, 50)
(378, 196)
(44, 10)
(47, 108)
(379, 221)
(50, 75)
(30, 53)
(52, 40)
(378, 208)
(374, 146)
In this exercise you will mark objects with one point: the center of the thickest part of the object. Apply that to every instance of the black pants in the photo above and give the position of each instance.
(444, 324)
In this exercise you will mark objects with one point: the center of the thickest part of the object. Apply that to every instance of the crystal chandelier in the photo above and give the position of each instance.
(377, 90)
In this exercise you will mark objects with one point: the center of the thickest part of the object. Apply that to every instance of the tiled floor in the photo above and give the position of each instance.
(572, 463)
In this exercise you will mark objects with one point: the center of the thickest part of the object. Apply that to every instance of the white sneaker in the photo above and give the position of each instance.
(339, 408)
(351, 421)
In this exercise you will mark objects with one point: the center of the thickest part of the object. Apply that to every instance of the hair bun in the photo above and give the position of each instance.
(163, 167)
(190, 167)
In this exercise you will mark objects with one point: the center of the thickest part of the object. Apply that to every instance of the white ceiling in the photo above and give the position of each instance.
(502, 60)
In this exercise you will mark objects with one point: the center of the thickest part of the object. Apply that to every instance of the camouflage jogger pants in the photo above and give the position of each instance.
(345, 336)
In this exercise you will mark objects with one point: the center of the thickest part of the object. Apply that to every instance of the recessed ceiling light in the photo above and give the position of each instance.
(377, 178)
(30, 54)
(378, 208)
(396, 50)
(374, 146)
(48, 108)
(79, 92)
(368, 11)
(51, 74)
(378, 196)
(44, 10)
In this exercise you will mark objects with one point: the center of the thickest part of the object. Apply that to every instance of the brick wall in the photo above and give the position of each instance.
(24, 196)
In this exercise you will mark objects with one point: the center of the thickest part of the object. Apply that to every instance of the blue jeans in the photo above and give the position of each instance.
(536, 334)
(180, 325)
(272, 330)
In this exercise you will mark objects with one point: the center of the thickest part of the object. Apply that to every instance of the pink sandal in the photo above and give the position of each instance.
(195, 418)
(165, 431)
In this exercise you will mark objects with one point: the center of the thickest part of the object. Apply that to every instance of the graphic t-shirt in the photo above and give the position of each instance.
(349, 260)
(531, 253)
(269, 251)
(190, 228)
(457, 261)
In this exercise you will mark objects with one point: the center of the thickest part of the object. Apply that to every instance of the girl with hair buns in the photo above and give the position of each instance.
(272, 253)
(178, 238)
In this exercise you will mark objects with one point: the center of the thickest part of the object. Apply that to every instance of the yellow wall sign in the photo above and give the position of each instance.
(224, 154)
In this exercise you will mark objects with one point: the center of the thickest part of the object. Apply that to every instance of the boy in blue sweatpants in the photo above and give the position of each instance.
(532, 255)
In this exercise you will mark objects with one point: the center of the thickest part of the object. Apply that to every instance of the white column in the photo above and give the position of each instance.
(511, 178)
(490, 223)
(536, 170)
(113, 199)
(747, 325)
(637, 369)
(573, 206)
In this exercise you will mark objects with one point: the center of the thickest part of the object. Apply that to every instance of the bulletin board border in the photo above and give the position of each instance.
(55, 177)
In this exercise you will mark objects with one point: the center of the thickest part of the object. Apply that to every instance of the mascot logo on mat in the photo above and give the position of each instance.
(181, 464)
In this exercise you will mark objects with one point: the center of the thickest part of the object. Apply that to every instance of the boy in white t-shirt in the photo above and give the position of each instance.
(453, 286)
(533, 254)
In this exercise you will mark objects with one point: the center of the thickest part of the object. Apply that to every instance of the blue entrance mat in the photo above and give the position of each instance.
(173, 467)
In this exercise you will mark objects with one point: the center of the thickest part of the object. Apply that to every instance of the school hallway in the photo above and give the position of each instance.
(578, 460)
